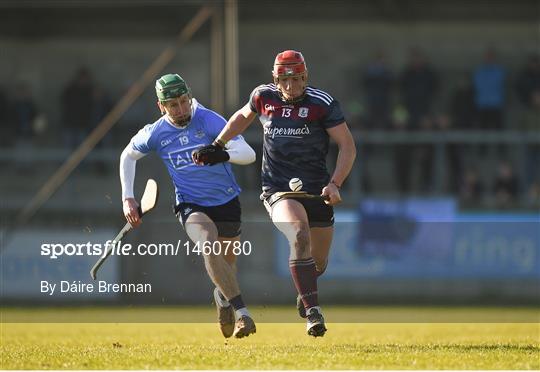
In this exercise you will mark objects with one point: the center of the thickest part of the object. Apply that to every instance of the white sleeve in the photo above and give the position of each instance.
(239, 151)
(128, 161)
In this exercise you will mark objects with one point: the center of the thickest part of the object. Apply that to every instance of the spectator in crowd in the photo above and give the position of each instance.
(506, 186)
(489, 85)
(528, 80)
(402, 152)
(425, 154)
(418, 85)
(377, 82)
(461, 117)
(101, 106)
(462, 105)
(23, 113)
(77, 107)
(531, 123)
(453, 154)
(471, 189)
(533, 195)
(6, 131)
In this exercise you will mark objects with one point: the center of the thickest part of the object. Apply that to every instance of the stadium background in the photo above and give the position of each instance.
(427, 244)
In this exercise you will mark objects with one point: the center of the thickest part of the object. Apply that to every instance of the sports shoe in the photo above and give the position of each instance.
(315, 324)
(244, 327)
(225, 316)
(300, 307)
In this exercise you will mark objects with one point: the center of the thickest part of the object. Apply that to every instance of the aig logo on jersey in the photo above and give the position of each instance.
(303, 112)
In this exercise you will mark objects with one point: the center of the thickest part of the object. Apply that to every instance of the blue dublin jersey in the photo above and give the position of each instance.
(202, 185)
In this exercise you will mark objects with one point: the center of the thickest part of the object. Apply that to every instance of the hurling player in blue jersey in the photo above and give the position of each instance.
(207, 202)
(298, 120)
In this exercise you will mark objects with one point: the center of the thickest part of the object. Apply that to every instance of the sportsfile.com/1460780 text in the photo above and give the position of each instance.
(237, 248)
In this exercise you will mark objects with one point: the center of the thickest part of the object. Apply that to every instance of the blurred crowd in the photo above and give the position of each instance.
(406, 100)
(403, 101)
(410, 100)
(84, 103)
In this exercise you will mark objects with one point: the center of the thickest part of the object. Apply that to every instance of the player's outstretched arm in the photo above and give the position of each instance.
(237, 124)
(345, 160)
(238, 151)
(128, 163)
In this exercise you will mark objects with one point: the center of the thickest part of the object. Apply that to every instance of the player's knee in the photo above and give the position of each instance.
(301, 242)
(202, 237)
(201, 231)
(212, 261)
(231, 260)
(212, 256)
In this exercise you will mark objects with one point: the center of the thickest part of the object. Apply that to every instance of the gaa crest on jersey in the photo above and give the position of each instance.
(269, 107)
(166, 142)
(303, 112)
(199, 134)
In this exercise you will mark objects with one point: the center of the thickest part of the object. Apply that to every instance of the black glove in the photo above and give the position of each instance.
(211, 154)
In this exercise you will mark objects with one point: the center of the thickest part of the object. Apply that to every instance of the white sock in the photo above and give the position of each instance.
(318, 308)
(243, 311)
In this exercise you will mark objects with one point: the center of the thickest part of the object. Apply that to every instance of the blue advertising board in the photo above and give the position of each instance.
(427, 238)
(25, 268)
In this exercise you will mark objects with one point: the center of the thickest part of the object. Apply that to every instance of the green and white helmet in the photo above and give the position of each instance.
(171, 86)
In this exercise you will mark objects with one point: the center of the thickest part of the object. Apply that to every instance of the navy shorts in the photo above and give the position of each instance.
(319, 213)
(227, 216)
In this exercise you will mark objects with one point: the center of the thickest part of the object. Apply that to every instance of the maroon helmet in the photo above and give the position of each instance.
(289, 63)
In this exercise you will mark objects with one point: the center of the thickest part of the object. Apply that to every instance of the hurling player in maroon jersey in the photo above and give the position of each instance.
(298, 121)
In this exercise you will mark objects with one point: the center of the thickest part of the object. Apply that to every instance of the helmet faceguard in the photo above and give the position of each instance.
(172, 86)
(290, 63)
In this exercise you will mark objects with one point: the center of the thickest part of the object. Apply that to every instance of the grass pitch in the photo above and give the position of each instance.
(274, 346)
